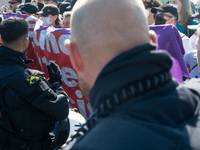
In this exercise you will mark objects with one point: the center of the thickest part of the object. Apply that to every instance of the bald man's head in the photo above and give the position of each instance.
(101, 30)
(108, 27)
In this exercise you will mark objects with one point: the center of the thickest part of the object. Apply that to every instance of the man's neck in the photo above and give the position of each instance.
(13, 47)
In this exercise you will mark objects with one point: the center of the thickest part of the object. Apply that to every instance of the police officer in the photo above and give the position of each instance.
(29, 104)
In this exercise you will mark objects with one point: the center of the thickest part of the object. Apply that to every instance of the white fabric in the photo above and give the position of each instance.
(193, 40)
(147, 13)
(190, 59)
(186, 42)
(75, 120)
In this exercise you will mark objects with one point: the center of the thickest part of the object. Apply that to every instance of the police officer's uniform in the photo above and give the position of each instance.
(28, 106)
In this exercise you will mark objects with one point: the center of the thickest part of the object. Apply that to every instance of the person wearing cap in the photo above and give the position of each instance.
(165, 14)
(168, 14)
(148, 5)
(51, 2)
(50, 15)
(184, 16)
(28, 8)
(13, 4)
(167, 10)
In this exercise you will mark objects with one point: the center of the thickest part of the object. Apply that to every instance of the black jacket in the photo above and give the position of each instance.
(28, 105)
(139, 106)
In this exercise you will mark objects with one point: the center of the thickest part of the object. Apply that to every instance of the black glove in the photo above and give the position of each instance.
(55, 74)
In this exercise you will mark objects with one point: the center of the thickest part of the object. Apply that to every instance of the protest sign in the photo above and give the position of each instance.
(47, 45)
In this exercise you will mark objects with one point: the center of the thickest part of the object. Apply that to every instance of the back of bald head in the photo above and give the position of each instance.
(102, 29)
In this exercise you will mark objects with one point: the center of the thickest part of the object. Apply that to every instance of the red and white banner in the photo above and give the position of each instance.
(47, 45)
(31, 53)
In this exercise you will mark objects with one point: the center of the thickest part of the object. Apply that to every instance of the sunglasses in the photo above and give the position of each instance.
(160, 16)
(12, 2)
(23, 12)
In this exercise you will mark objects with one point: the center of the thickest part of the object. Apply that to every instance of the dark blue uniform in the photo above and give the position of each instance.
(138, 106)
(28, 106)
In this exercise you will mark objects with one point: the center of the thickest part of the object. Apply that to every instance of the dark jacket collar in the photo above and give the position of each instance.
(128, 67)
(7, 54)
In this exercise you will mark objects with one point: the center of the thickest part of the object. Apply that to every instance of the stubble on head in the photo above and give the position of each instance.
(84, 86)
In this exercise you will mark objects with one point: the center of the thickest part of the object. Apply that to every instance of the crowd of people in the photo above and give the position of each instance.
(40, 128)
(38, 8)
(179, 13)
(186, 18)
(125, 54)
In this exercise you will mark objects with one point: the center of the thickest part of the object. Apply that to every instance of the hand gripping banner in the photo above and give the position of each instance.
(47, 45)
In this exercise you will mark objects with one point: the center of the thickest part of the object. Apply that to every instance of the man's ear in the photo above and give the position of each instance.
(74, 55)
(153, 36)
(25, 43)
